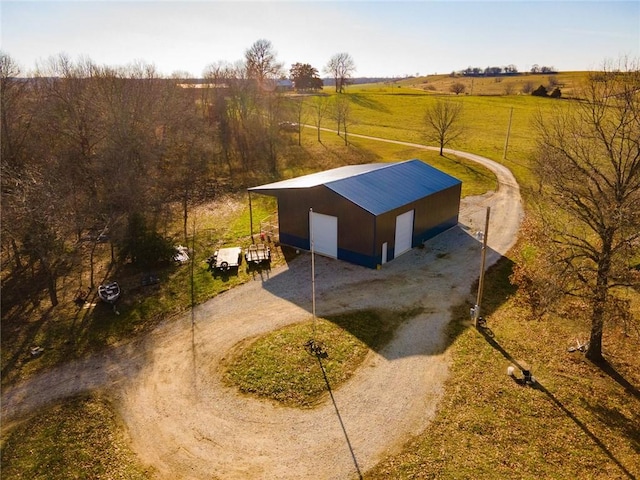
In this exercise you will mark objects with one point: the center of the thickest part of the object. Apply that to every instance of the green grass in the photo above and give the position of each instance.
(398, 114)
(475, 178)
(278, 367)
(79, 439)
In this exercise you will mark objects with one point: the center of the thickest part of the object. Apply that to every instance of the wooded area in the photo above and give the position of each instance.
(94, 153)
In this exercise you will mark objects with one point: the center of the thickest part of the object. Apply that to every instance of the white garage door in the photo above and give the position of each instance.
(324, 233)
(404, 233)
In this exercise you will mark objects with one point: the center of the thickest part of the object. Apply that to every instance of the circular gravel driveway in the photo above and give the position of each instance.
(184, 422)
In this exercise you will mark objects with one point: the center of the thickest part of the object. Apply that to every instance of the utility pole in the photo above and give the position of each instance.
(506, 141)
(476, 309)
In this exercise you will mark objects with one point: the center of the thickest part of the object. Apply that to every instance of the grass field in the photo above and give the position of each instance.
(400, 116)
(48, 445)
(579, 420)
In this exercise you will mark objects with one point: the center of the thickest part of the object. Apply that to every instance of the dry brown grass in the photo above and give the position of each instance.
(578, 419)
(504, 85)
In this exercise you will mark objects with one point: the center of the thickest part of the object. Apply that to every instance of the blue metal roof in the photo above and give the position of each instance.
(375, 187)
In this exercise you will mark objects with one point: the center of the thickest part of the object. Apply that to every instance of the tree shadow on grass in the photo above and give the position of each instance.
(537, 385)
(366, 101)
(21, 352)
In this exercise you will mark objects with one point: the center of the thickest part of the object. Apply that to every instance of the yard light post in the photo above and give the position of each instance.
(313, 271)
(476, 308)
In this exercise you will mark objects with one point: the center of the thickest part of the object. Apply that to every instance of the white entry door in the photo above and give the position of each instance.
(324, 234)
(404, 233)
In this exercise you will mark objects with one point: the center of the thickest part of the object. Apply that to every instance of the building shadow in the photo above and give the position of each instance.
(537, 385)
(342, 287)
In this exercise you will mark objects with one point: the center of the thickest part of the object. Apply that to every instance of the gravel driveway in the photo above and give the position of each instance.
(187, 424)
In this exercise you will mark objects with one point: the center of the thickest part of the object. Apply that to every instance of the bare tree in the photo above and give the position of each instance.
(244, 109)
(262, 67)
(15, 118)
(457, 88)
(442, 120)
(341, 66)
(16, 115)
(588, 163)
(509, 87)
(37, 209)
(297, 107)
(272, 112)
(71, 119)
(320, 106)
(184, 150)
(261, 62)
(221, 79)
(342, 114)
(527, 87)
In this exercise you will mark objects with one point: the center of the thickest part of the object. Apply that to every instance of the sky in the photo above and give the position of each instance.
(384, 38)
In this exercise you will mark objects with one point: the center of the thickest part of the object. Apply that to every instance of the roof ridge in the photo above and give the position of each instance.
(382, 166)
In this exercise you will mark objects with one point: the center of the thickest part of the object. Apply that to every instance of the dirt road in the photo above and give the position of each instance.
(187, 424)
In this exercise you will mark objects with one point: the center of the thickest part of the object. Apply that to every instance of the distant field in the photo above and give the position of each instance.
(397, 112)
(502, 85)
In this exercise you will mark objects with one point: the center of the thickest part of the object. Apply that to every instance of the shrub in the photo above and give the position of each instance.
(527, 87)
(556, 93)
(457, 88)
(541, 91)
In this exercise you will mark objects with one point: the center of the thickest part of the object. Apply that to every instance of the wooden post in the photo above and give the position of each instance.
(191, 266)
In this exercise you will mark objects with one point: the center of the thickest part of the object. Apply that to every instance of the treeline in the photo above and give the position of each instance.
(499, 71)
(90, 151)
